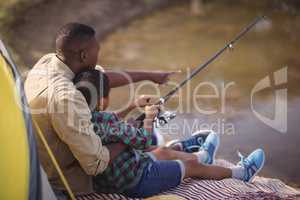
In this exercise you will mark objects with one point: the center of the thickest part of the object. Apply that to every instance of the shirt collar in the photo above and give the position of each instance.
(62, 68)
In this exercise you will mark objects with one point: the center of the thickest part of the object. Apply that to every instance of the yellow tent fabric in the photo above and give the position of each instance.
(14, 152)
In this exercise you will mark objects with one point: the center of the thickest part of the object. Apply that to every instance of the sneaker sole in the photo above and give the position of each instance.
(218, 144)
(258, 170)
(215, 152)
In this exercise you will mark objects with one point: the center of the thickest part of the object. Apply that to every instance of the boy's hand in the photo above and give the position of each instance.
(150, 112)
(143, 100)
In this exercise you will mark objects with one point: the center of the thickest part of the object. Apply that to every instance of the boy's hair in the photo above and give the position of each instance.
(93, 84)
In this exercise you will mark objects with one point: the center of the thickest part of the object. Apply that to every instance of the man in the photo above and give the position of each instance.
(63, 114)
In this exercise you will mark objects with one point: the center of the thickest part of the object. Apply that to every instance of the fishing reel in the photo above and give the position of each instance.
(163, 118)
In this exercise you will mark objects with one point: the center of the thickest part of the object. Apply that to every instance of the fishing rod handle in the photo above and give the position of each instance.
(142, 116)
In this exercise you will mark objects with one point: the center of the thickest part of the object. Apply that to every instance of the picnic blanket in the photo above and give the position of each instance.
(193, 189)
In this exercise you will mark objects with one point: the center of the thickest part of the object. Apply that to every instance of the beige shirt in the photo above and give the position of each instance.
(64, 117)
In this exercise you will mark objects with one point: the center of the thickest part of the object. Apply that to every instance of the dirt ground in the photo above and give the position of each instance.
(32, 34)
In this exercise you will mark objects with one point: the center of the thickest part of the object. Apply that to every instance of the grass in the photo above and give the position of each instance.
(10, 10)
(6, 6)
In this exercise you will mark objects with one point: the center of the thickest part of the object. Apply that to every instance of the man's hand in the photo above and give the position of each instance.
(161, 77)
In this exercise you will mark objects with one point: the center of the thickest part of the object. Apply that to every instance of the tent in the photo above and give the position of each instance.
(20, 172)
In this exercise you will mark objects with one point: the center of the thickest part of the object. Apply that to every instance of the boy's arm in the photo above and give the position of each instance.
(123, 113)
(141, 101)
(138, 138)
(111, 129)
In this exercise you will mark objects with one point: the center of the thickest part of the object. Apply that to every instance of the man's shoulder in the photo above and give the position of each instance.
(40, 69)
(44, 60)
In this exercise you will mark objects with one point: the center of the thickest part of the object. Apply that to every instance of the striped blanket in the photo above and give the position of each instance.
(192, 189)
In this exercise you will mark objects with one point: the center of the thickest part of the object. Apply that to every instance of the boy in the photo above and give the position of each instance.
(140, 172)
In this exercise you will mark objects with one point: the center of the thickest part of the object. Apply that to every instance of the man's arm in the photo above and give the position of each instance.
(71, 121)
(120, 78)
(115, 149)
(140, 101)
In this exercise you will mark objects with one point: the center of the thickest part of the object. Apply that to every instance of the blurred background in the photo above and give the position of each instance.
(174, 35)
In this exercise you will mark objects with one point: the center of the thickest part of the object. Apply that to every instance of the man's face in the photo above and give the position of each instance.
(89, 56)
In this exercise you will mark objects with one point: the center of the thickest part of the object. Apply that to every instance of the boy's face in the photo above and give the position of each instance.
(103, 103)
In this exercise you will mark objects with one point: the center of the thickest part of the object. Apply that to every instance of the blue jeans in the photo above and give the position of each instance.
(157, 177)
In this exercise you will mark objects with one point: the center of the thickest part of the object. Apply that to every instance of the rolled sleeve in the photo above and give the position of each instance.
(103, 160)
(71, 119)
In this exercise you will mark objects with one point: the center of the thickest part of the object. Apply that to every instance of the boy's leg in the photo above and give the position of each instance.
(245, 170)
(158, 176)
(193, 168)
(167, 153)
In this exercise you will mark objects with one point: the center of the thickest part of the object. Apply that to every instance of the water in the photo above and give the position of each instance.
(174, 40)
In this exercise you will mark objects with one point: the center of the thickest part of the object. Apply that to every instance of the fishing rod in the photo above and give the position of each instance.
(229, 45)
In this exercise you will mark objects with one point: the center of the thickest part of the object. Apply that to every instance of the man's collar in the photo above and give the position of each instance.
(62, 68)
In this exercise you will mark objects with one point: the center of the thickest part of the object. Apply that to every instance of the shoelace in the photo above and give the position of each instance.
(243, 160)
(193, 148)
(193, 144)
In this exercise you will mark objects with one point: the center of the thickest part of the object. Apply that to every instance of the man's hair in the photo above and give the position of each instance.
(93, 84)
(72, 35)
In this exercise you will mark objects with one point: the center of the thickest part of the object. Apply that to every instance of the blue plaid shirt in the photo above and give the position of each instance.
(126, 170)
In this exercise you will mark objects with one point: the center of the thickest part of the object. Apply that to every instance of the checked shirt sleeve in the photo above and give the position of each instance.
(119, 131)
